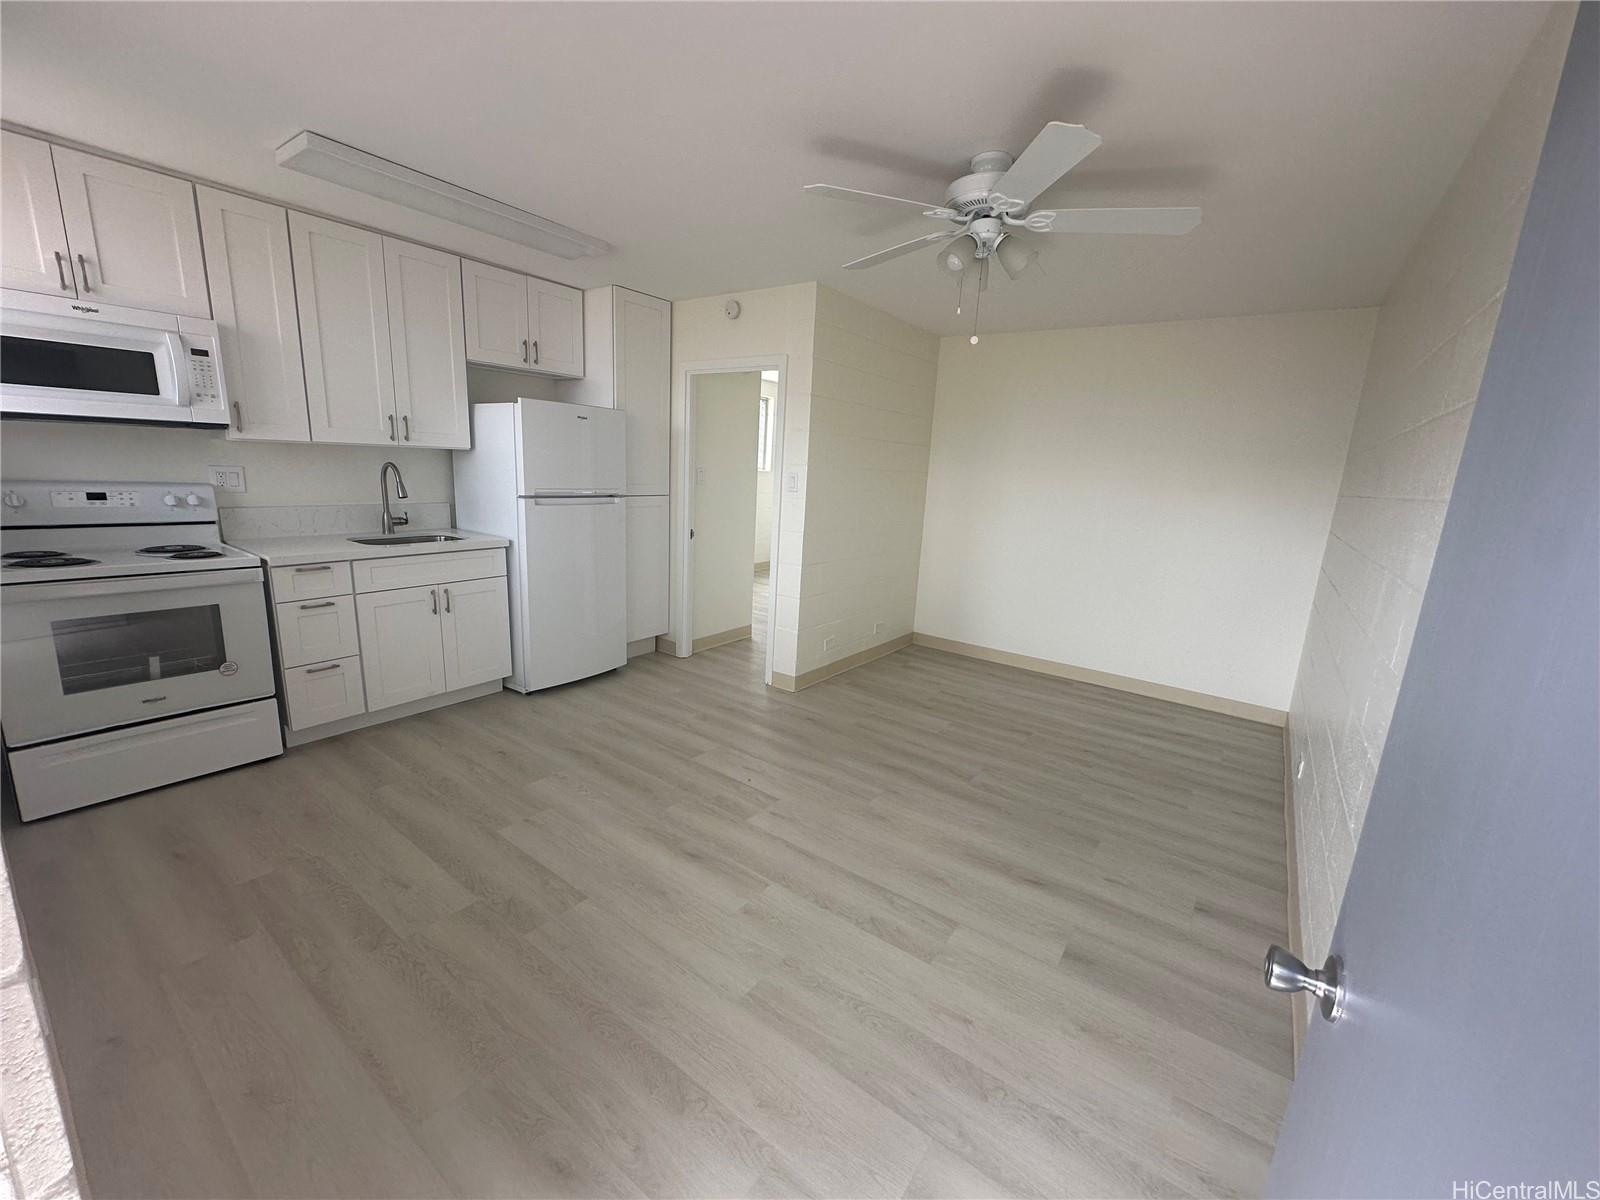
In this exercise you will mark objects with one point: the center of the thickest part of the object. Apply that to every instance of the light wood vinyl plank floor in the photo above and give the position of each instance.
(934, 927)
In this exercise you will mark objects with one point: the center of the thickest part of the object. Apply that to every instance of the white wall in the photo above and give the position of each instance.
(774, 323)
(725, 411)
(1433, 337)
(867, 451)
(1145, 500)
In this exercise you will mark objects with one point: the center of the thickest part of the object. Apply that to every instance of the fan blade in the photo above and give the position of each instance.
(872, 260)
(1058, 148)
(856, 194)
(1113, 220)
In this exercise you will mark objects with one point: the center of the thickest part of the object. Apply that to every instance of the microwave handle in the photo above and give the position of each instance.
(180, 368)
(136, 585)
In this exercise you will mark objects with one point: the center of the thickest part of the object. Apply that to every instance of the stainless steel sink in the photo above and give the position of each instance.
(407, 539)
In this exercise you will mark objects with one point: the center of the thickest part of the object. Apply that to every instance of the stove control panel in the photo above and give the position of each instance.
(48, 503)
(93, 498)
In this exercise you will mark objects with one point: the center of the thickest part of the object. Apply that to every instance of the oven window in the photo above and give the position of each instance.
(37, 363)
(105, 652)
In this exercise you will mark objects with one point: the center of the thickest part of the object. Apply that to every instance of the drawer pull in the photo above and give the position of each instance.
(152, 700)
(321, 604)
(320, 670)
(318, 567)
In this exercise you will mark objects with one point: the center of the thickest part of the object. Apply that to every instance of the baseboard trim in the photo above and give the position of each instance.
(712, 640)
(794, 683)
(642, 646)
(665, 645)
(1299, 1006)
(1122, 683)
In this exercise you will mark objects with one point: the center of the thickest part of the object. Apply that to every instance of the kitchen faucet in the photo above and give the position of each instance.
(389, 519)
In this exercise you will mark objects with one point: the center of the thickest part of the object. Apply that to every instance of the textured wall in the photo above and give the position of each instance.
(866, 450)
(1427, 360)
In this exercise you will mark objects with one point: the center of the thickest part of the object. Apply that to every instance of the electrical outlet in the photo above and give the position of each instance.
(791, 481)
(877, 627)
(828, 644)
(227, 479)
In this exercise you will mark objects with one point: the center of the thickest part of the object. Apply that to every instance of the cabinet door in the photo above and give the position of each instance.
(643, 364)
(134, 235)
(647, 566)
(252, 294)
(497, 315)
(556, 328)
(33, 237)
(402, 652)
(477, 632)
(428, 337)
(344, 331)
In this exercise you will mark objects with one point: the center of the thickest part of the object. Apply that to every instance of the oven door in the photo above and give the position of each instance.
(102, 653)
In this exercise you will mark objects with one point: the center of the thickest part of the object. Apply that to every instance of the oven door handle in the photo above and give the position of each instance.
(132, 585)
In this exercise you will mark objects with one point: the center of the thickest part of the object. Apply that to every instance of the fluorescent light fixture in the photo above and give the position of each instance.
(312, 154)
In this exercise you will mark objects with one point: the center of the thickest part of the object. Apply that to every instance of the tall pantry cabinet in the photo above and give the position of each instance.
(628, 365)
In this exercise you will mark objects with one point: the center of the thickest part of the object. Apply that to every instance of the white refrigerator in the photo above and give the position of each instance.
(551, 477)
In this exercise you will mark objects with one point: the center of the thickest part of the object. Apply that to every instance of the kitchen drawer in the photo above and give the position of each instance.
(420, 570)
(313, 631)
(326, 692)
(311, 581)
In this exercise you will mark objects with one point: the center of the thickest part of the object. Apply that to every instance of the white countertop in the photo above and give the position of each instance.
(333, 547)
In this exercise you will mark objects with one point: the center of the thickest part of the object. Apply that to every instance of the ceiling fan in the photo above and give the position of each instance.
(988, 215)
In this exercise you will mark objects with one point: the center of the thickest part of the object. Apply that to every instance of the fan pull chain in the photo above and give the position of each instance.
(977, 304)
(961, 291)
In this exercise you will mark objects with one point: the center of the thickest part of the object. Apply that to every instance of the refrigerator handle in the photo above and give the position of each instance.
(560, 500)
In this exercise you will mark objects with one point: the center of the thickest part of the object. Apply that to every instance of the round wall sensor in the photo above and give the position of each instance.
(732, 309)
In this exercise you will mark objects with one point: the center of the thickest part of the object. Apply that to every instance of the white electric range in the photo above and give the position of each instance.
(134, 643)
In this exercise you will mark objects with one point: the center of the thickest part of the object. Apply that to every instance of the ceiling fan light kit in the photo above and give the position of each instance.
(991, 208)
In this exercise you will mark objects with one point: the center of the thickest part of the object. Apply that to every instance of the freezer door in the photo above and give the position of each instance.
(571, 448)
(574, 572)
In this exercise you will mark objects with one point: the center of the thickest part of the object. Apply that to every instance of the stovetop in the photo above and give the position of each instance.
(58, 532)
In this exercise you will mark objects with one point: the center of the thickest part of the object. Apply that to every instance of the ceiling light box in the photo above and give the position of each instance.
(312, 154)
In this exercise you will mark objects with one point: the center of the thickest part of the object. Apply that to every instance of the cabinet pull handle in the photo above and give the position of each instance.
(447, 599)
(318, 567)
(524, 349)
(391, 427)
(434, 592)
(152, 700)
(536, 352)
(405, 421)
(322, 604)
(61, 272)
(238, 418)
(83, 266)
(320, 670)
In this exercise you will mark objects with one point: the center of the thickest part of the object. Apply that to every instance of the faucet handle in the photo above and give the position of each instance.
(402, 519)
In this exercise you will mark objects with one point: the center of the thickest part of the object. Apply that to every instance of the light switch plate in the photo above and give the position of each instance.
(791, 481)
(227, 479)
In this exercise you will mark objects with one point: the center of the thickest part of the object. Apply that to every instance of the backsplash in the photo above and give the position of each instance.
(294, 520)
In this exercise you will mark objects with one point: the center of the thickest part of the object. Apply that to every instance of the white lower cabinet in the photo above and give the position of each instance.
(329, 691)
(477, 624)
(647, 566)
(402, 650)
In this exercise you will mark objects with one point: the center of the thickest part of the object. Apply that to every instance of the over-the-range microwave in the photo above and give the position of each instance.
(80, 359)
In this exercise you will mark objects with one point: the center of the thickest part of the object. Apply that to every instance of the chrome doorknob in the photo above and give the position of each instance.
(1286, 973)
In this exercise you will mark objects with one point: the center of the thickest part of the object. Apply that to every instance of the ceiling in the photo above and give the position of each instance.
(1317, 137)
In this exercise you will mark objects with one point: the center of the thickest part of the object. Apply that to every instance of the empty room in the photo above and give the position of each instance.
(799, 599)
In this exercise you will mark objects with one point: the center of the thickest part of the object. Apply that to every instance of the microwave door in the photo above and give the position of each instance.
(99, 654)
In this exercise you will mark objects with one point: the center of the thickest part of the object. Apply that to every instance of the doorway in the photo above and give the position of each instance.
(730, 457)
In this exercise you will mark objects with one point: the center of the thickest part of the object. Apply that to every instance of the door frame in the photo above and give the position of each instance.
(682, 547)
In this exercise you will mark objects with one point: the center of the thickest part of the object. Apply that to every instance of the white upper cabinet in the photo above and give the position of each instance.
(133, 234)
(555, 314)
(252, 293)
(520, 322)
(33, 237)
(428, 335)
(344, 331)
(497, 315)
